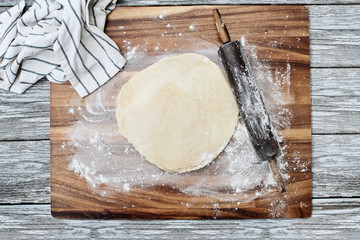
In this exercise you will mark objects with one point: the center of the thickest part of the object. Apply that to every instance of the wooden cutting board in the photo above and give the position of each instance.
(280, 35)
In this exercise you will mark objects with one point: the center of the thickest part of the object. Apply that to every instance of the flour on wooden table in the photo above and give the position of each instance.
(110, 164)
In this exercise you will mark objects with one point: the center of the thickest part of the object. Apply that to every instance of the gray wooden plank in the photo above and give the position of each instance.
(25, 116)
(334, 17)
(25, 169)
(334, 36)
(25, 172)
(335, 165)
(331, 219)
(334, 48)
(202, 2)
(335, 102)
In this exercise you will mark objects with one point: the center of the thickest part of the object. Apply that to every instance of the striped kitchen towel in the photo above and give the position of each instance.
(63, 40)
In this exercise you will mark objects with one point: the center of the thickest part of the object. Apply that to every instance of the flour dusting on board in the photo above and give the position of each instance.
(110, 164)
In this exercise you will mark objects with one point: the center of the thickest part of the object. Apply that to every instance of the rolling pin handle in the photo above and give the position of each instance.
(277, 175)
(221, 27)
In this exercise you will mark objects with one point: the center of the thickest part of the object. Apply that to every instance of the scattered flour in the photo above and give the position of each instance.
(131, 54)
(109, 163)
(126, 187)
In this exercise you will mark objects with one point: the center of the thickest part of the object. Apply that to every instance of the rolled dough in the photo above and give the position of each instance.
(179, 113)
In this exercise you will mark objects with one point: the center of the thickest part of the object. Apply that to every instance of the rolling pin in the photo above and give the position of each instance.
(251, 104)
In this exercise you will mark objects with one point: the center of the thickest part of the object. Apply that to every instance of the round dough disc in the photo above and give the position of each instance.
(179, 113)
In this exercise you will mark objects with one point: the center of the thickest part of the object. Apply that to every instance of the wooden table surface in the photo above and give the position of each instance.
(335, 92)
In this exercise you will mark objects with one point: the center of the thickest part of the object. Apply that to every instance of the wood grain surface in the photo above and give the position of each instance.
(71, 197)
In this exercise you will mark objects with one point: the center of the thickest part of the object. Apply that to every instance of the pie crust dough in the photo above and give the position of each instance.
(179, 113)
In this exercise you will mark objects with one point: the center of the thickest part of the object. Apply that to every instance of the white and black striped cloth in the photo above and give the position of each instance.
(63, 40)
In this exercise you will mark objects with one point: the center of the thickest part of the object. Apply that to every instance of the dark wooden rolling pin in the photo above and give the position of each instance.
(252, 108)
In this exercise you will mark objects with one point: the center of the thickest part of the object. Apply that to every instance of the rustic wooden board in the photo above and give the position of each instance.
(71, 197)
